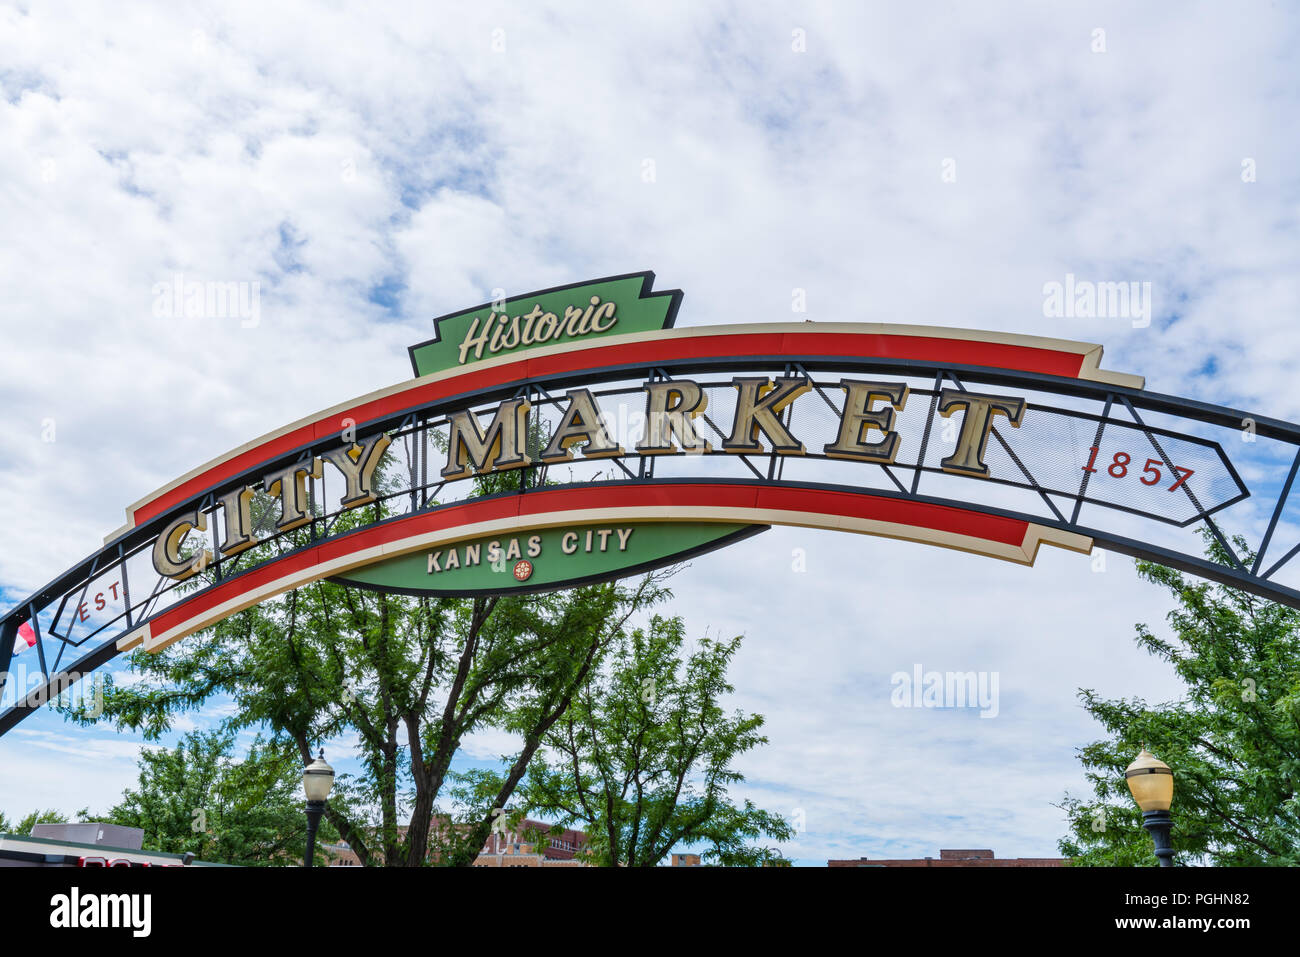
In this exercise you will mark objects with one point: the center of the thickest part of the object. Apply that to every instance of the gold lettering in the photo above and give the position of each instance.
(501, 332)
(290, 483)
(670, 407)
(236, 510)
(968, 457)
(495, 347)
(547, 322)
(477, 342)
(607, 310)
(167, 559)
(511, 338)
(530, 319)
(759, 403)
(500, 447)
(859, 418)
(572, 322)
(581, 422)
(358, 464)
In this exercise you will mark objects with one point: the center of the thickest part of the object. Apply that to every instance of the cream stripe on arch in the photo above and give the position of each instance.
(1023, 554)
(1090, 352)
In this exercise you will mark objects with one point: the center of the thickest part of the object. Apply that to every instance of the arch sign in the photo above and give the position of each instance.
(575, 434)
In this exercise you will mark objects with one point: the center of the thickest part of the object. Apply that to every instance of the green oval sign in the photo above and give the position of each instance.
(546, 558)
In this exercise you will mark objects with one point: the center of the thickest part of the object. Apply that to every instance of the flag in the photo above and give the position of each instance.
(26, 637)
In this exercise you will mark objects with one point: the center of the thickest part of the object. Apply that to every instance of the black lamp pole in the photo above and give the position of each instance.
(317, 780)
(1158, 824)
(314, 811)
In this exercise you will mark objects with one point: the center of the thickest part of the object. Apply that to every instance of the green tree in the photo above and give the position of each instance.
(408, 678)
(24, 825)
(643, 757)
(1233, 740)
(197, 797)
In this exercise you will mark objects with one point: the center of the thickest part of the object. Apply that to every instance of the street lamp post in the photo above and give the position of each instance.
(1152, 784)
(317, 779)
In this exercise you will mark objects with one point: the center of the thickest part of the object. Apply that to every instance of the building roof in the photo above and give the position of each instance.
(955, 857)
(44, 847)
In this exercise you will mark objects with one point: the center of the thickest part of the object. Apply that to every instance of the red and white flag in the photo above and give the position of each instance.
(26, 637)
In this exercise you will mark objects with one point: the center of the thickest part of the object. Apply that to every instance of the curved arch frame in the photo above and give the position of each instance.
(1045, 365)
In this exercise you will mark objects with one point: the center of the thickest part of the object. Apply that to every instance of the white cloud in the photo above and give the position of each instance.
(373, 171)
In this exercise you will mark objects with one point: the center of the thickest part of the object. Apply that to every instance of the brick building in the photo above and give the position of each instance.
(503, 849)
(957, 858)
(511, 848)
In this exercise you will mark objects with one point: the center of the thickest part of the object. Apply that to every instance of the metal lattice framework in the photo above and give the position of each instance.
(1071, 472)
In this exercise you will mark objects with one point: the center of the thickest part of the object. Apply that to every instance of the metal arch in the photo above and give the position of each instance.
(417, 422)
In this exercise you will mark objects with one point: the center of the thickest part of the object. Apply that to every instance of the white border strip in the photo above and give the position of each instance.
(1090, 352)
(1023, 554)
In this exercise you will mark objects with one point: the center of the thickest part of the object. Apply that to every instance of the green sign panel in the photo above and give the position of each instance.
(546, 558)
(582, 312)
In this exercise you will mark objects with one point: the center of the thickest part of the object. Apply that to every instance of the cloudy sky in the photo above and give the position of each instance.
(901, 162)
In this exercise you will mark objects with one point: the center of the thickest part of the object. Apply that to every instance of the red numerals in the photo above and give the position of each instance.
(1182, 476)
(1150, 475)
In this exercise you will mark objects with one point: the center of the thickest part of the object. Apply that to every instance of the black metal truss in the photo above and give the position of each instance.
(414, 428)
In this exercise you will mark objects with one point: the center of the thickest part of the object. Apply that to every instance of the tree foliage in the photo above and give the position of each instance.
(409, 678)
(23, 826)
(643, 757)
(198, 797)
(1233, 740)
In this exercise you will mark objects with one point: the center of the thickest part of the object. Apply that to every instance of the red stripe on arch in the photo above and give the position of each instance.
(730, 345)
(834, 504)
